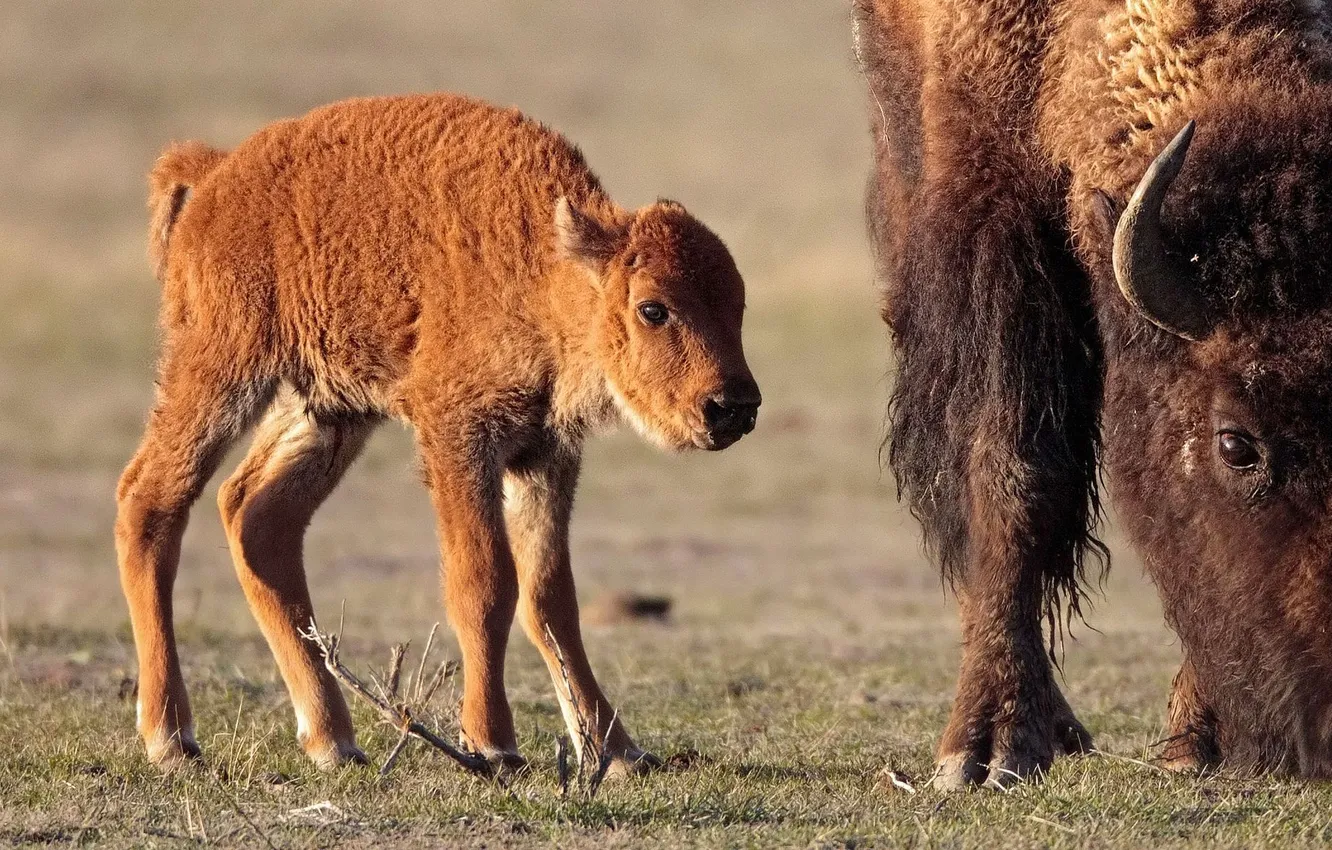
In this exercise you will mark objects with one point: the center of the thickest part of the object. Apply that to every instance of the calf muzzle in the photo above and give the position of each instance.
(732, 413)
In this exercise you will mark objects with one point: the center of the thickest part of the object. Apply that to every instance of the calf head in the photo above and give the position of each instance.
(1219, 436)
(667, 331)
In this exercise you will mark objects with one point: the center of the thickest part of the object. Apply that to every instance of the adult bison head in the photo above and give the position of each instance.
(667, 331)
(1218, 437)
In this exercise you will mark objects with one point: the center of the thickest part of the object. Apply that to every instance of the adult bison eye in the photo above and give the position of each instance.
(653, 313)
(1237, 450)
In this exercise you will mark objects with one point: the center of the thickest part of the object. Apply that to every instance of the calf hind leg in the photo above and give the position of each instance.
(199, 413)
(294, 464)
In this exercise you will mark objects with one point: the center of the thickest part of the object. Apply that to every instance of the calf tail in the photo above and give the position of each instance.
(177, 170)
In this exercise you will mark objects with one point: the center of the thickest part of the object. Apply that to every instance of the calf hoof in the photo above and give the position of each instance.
(172, 751)
(333, 755)
(632, 762)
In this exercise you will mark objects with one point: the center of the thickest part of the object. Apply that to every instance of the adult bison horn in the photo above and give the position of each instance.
(1156, 284)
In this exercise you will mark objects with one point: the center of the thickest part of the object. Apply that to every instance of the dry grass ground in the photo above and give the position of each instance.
(810, 646)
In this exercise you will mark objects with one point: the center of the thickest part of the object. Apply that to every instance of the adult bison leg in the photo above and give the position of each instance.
(538, 503)
(1191, 741)
(1009, 717)
(994, 445)
(994, 410)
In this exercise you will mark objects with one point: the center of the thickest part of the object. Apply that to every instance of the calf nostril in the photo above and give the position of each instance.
(725, 414)
(714, 414)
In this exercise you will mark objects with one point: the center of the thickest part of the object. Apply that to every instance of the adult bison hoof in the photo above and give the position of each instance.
(1000, 748)
(1191, 745)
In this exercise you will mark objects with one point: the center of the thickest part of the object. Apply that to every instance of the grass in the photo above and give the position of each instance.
(791, 737)
(810, 647)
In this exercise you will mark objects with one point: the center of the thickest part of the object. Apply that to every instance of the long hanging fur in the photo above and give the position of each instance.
(997, 126)
(998, 360)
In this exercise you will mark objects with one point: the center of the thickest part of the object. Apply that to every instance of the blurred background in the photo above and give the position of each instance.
(748, 111)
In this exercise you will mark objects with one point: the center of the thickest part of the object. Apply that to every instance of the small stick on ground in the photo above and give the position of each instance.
(603, 761)
(591, 750)
(236, 807)
(446, 670)
(586, 741)
(420, 671)
(399, 717)
(392, 759)
(395, 668)
(562, 763)
(1139, 762)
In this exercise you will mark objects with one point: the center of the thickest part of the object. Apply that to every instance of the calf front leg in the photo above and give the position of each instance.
(480, 581)
(538, 505)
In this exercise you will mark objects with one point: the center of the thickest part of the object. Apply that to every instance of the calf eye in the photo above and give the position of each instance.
(1237, 450)
(653, 313)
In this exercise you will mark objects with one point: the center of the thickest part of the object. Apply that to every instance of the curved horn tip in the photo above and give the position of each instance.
(1185, 135)
(1157, 285)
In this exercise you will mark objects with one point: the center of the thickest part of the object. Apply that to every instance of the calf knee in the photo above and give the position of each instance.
(147, 515)
(266, 532)
(230, 500)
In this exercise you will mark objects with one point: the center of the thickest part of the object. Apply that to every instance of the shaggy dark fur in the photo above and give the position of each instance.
(997, 125)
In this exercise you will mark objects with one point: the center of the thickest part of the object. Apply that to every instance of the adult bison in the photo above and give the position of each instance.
(1103, 228)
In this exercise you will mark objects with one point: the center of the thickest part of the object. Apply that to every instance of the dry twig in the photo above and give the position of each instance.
(591, 747)
(562, 763)
(236, 807)
(396, 655)
(398, 716)
(1139, 762)
(420, 671)
(392, 759)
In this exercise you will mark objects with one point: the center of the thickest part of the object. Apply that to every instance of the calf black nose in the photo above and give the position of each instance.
(740, 392)
(726, 415)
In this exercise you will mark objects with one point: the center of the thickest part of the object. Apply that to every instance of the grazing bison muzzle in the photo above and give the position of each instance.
(452, 265)
(1102, 229)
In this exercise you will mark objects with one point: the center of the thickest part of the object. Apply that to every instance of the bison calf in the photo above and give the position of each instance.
(442, 262)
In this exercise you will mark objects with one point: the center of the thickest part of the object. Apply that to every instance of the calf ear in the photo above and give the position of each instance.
(584, 239)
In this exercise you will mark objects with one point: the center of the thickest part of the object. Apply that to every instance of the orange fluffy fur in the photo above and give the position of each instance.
(439, 261)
